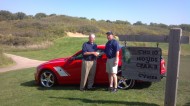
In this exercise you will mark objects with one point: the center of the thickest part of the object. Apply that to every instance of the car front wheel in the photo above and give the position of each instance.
(47, 79)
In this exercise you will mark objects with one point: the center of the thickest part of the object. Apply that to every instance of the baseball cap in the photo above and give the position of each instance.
(109, 33)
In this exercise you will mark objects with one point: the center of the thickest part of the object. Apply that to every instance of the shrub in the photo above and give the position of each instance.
(88, 29)
(14, 41)
(40, 15)
(21, 24)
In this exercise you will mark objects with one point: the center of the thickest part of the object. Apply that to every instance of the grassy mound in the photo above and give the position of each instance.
(5, 61)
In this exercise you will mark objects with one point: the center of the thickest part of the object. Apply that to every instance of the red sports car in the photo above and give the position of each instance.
(68, 71)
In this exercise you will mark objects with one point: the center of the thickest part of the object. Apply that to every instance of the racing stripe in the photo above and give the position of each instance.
(61, 71)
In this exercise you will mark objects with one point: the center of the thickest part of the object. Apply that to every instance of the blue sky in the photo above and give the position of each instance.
(170, 12)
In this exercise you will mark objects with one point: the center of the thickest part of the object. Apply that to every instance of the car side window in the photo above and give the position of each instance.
(79, 57)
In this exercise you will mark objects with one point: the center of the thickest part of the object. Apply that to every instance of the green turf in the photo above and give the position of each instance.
(18, 88)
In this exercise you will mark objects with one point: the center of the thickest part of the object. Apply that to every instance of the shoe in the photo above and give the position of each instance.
(110, 89)
(114, 90)
(91, 88)
(83, 89)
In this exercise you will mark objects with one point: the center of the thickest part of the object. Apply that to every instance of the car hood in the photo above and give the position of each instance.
(58, 61)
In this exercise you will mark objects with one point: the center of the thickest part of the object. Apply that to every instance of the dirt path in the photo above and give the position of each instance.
(21, 63)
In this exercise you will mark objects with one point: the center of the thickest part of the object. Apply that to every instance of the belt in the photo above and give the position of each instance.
(89, 59)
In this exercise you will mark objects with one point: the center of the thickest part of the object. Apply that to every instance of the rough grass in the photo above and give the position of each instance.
(5, 61)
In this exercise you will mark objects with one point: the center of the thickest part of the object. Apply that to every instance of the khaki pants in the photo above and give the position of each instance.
(87, 73)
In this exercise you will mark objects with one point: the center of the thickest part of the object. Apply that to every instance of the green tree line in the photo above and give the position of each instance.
(7, 15)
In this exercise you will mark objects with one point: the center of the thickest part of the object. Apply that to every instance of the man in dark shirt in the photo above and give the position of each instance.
(112, 53)
(88, 63)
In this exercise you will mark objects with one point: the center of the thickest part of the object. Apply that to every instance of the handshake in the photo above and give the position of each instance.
(98, 53)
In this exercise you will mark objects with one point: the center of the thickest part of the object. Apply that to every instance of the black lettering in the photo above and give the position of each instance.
(156, 59)
(143, 59)
(140, 75)
(140, 52)
(155, 67)
(144, 66)
(143, 52)
(150, 66)
(147, 66)
(147, 59)
(147, 76)
(152, 59)
(139, 65)
(147, 52)
(155, 77)
(155, 52)
(138, 58)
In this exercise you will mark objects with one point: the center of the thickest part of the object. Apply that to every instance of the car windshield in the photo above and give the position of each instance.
(79, 55)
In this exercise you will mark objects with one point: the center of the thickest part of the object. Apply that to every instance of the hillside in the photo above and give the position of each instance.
(33, 30)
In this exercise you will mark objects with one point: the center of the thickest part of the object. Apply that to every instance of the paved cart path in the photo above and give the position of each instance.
(21, 63)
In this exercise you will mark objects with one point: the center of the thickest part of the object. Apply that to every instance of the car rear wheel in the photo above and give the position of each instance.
(124, 83)
(47, 79)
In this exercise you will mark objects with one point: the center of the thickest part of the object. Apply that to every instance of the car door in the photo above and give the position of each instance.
(73, 67)
(101, 75)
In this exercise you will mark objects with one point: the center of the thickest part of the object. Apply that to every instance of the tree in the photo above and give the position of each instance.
(102, 21)
(138, 23)
(52, 15)
(153, 24)
(83, 18)
(40, 15)
(162, 25)
(20, 15)
(185, 27)
(92, 19)
(159, 25)
(6, 15)
(122, 22)
(108, 21)
(29, 16)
